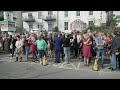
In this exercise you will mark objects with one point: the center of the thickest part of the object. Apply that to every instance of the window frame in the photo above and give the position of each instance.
(65, 13)
(90, 13)
(77, 14)
(65, 25)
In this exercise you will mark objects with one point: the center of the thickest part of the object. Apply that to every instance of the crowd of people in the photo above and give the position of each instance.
(63, 46)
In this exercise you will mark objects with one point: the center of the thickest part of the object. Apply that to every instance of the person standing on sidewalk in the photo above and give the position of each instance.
(75, 45)
(66, 47)
(14, 39)
(86, 51)
(58, 47)
(33, 48)
(41, 46)
(115, 45)
(27, 46)
(100, 49)
(18, 45)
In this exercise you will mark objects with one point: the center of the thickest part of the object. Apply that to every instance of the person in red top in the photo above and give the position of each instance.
(86, 51)
(107, 42)
(33, 47)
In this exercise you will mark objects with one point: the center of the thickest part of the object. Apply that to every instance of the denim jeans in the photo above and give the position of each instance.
(113, 60)
(27, 48)
(13, 51)
(100, 54)
(67, 54)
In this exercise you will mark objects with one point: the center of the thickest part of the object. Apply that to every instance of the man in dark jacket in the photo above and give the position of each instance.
(58, 47)
(115, 44)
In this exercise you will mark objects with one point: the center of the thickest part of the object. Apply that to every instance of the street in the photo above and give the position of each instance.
(30, 70)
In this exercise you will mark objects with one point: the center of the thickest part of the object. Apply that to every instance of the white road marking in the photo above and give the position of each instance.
(78, 67)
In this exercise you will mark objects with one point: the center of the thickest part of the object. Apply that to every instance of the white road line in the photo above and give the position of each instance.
(78, 67)
(62, 65)
(73, 65)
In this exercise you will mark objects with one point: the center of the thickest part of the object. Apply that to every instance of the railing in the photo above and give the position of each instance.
(29, 19)
(50, 18)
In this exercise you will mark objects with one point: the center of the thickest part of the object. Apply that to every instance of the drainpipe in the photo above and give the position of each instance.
(57, 19)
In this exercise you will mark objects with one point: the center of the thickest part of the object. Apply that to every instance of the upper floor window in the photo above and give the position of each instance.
(49, 13)
(77, 13)
(66, 13)
(39, 15)
(90, 12)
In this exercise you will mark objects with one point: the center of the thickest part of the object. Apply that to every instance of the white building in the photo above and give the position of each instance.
(103, 17)
(65, 20)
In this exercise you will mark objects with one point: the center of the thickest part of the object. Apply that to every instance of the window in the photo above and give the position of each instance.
(30, 26)
(66, 25)
(91, 23)
(49, 24)
(90, 12)
(29, 14)
(39, 15)
(38, 26)
(66, 13)
(49, 13)
(77, 13)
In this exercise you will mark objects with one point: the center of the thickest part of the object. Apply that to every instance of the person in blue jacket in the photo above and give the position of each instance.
(58, 47)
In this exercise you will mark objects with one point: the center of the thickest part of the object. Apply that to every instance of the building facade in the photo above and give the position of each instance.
(66, 21)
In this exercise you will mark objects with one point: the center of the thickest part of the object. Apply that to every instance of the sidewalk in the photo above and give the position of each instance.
(75, 64)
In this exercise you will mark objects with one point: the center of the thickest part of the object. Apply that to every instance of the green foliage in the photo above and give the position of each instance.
(20, 30)
(100, 29)
(1, 18)
(112, 22)
(55, 29)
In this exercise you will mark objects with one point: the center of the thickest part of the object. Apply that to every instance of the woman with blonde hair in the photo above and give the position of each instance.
(86, 51)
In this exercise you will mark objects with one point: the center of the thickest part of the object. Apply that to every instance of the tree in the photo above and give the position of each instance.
(55, 29)
(1, 18)
(112, 22)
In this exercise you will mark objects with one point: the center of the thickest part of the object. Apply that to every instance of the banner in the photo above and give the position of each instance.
(7, 26)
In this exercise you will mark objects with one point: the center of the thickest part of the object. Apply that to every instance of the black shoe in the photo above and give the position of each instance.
(20, 59)
(58, 62)
(113, 69)
(109, 68)
(16, 59)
